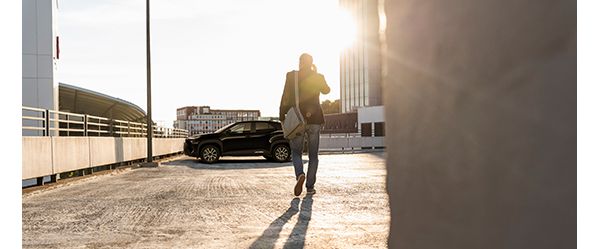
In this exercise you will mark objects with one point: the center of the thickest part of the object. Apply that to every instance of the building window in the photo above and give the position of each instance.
(365, 130)
(379, 129)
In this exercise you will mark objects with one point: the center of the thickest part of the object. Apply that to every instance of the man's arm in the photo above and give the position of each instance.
(324, 88)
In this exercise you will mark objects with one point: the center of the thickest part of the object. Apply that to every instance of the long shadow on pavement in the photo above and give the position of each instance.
(298, 234)
(227, 164)
(271, 234)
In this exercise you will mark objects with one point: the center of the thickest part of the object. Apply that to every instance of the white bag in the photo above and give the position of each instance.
(294, 123)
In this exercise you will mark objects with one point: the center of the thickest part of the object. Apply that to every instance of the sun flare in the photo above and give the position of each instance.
(323, 29)
(343, 28)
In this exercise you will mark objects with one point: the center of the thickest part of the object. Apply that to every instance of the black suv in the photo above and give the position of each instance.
(246, 138)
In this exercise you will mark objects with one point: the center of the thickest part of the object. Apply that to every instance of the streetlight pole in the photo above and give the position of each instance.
(149, 126)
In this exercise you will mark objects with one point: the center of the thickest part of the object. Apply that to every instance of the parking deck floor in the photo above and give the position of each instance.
(235, 203)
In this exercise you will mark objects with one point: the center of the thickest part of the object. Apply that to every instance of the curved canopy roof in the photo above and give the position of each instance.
(84, 101)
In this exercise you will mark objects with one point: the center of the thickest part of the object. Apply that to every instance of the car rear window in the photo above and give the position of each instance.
(262, 126)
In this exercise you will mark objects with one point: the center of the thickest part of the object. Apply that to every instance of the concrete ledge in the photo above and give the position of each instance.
(165, 146)
(350, 142)
(36, 156)
(43, 156)
(102, 152)
(70, 153)
(132, 148)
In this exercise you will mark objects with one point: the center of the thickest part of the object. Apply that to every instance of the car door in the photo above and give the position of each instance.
(236, 137)
(261, 133)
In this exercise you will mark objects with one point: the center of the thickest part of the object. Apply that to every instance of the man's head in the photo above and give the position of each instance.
(306, 61)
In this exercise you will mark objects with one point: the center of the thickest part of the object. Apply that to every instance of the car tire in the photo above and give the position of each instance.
(281, 153)
(209, 154)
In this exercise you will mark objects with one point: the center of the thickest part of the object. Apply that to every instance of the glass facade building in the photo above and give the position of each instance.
(360, 64)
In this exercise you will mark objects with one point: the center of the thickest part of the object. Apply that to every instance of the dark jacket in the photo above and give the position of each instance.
(311, 85)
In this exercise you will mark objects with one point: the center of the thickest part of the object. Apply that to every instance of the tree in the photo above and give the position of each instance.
(331, 107)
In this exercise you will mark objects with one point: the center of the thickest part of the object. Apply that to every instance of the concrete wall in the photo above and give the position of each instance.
(371, 114)
(480, 101)
(167, 145)
(37, 157)
(349, 143)
(44, 156)
(70, 153)
(134, 148)
(103, 152)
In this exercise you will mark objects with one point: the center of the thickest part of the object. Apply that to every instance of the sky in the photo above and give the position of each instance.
(227, 54)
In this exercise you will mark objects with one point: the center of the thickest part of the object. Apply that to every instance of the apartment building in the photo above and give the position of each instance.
(202, 119)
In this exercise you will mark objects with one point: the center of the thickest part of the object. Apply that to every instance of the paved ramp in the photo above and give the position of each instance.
(236, 203)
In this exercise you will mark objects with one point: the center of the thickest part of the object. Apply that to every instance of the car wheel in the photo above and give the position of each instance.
(281, 153)
(209, 154)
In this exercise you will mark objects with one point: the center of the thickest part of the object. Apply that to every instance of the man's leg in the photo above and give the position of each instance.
(313, 132)
(296, 146)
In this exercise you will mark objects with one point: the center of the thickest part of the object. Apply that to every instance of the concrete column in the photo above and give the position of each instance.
(40, 56)
(481, 112)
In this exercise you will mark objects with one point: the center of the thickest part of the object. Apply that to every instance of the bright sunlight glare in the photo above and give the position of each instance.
(197, 48)
(322, 29)
(332, 28)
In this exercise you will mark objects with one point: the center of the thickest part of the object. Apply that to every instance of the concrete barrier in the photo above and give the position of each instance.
(333, 143)
(70, 153)
(101, 152)
(37, 157)
(167, 146)
(329, 143)
(43, 156)
(133, 148)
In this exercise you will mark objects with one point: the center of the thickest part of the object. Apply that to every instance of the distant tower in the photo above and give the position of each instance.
(40, 54)
(360, 65)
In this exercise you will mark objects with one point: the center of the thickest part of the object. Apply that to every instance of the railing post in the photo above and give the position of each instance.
(53, 177)
(47, 123)
(40, 181)
(110, 127)
(372, 136)
(85, 125)
(128, 129)
(68, 124)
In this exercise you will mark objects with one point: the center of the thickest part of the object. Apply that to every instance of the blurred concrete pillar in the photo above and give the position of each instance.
(480, 101)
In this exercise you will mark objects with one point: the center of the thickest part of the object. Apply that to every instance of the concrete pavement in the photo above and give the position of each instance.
(236, 203)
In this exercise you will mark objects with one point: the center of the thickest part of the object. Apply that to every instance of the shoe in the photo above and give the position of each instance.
(298, 187)
(310, 191)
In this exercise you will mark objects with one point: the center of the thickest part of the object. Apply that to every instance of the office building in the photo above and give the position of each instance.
(360, 64)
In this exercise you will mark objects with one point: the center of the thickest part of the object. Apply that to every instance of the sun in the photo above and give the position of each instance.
(327, 27)
(323, 29)
(337, 28)
(343, 29)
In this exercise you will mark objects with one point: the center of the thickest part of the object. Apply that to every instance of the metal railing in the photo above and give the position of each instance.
(42, 122)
